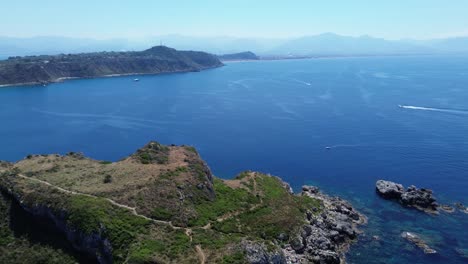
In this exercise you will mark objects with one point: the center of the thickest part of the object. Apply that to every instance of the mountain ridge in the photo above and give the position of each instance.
(218, 45)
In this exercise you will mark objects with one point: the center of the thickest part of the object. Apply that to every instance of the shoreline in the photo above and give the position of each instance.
(63, 79)
(325, 57)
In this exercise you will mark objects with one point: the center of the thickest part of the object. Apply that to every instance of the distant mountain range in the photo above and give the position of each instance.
(316, 45)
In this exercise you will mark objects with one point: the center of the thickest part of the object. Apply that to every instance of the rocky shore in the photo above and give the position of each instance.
(327, 236)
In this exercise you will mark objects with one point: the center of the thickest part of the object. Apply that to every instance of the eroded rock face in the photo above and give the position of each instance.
(421, 199)
(389, 190)
(327, 236)
(257, 253)
(93, 245)
(417, 241)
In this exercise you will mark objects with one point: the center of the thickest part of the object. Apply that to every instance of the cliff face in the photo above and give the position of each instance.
(163, 205)
(44, 69)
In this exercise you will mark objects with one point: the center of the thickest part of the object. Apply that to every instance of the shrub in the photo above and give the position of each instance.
(108, 179)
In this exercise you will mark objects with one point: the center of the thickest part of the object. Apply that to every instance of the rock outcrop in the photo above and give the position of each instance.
(421, 199)
(389, 190)
(326, 237)
(258, 253)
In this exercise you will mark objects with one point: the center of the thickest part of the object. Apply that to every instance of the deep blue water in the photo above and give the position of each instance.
(278, 117)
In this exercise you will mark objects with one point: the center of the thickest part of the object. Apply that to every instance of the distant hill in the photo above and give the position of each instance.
(322, 44)
(332, 44)
(247, 55)
(52, 68)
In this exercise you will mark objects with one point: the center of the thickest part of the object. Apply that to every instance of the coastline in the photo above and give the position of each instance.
(63, 79)
(325, 57)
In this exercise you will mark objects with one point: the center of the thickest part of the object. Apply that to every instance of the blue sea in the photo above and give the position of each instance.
(278, 117)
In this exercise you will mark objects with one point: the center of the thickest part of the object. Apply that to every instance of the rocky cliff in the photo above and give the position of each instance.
(45, 69)
(163, 205)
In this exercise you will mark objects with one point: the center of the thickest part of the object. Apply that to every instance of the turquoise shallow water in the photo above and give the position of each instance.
(278, 117)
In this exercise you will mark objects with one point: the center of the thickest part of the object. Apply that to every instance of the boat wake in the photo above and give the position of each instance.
(345, 146)
(302, 82)
(442, 110)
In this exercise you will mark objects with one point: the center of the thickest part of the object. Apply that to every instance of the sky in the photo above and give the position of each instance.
(103, 19)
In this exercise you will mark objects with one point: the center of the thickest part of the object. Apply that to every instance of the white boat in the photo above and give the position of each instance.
(136, 80)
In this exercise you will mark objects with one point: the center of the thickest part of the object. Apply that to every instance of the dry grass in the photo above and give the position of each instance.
(146, 187)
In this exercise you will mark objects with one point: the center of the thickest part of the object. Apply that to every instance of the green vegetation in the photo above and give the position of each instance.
(95, 215)
(222, 213)
(18, 250)
(227, 200)
(274, 211)
(164, 247)
(191, 149)
(153, 153)
(146, 250)
(161, 214)
(173, 173)
(236, 258)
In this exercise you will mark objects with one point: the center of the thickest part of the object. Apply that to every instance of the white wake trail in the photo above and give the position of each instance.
(442, 110)
(302, 82)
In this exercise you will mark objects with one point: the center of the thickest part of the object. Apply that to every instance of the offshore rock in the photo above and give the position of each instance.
(389, 190)
(421, 199)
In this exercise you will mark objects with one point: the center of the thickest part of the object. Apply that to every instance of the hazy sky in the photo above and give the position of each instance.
(391, 19)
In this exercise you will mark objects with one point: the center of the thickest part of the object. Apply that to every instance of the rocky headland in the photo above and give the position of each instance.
(53, 68)
(163, 205)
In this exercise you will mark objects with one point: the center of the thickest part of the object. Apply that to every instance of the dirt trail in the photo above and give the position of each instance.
(201, 254)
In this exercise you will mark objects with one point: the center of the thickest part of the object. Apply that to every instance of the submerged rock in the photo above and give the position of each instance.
(461, 207)
(447, 208)
(417, 241)
(462, 252)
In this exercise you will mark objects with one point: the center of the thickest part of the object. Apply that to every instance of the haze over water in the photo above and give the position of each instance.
(278, 117)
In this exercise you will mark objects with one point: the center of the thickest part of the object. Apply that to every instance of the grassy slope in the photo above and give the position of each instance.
(252, 206)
